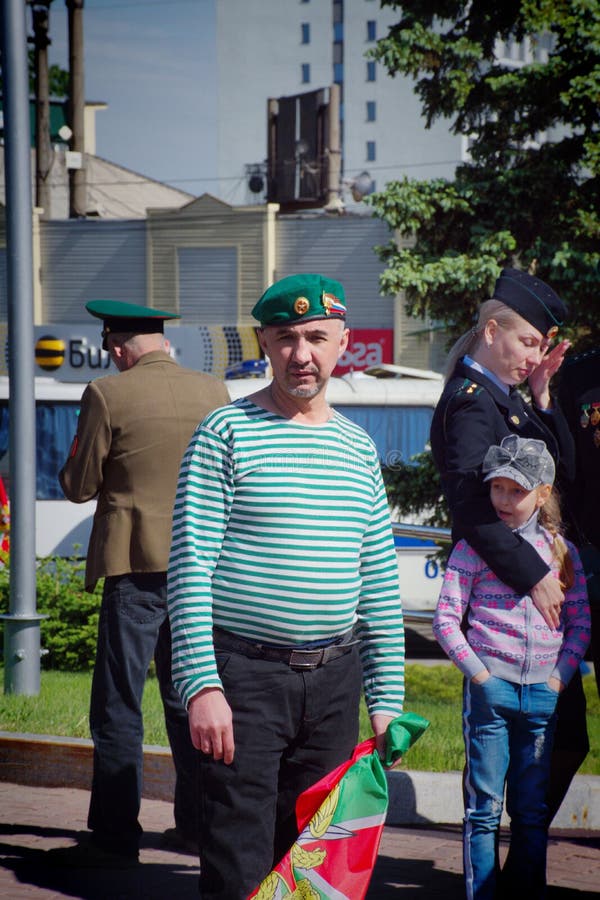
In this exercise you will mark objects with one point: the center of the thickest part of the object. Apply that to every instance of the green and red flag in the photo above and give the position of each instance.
(340, 821)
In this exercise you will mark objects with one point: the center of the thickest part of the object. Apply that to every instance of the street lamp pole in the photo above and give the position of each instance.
(22, 624)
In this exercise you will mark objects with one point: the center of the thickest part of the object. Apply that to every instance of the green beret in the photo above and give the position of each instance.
(128, 317)
(299, 298)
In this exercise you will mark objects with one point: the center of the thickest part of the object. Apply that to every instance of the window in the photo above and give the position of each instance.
(55, 425)
(305, 73)
(305, 33)
(371, 110)
(396, 430)
(371, 70)
(371, 30)
(338, 32)
(371, 155)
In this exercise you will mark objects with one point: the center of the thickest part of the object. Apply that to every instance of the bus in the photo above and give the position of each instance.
(393, 404)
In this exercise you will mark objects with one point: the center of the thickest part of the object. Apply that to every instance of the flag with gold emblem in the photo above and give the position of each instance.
(340, 820)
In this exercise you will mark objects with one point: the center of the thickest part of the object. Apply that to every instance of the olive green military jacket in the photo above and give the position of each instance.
(132, 433)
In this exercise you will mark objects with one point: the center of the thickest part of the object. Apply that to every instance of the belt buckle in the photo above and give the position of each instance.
(305, 659)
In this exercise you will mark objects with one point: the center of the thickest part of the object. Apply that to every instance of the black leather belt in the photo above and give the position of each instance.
(294, 658)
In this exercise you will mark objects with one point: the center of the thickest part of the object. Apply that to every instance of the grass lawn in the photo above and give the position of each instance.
(432, 691)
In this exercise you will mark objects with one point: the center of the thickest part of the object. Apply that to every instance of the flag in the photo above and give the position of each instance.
(340, 821)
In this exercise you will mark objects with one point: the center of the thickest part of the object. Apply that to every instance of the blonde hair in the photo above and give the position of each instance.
(550, 518)
(468, 342)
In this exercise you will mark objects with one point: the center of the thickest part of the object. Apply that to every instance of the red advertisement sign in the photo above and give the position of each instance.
(366, 347)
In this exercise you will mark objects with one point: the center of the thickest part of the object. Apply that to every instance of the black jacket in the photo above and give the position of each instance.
(579, 397)
(472, 414)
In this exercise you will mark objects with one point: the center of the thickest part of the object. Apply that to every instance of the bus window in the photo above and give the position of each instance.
(398, 432)
(55, 427)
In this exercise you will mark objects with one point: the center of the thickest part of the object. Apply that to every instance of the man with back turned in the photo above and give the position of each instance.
(132, 432)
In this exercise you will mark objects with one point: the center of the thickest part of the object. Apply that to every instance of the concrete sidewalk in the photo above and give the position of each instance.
(416, 863)
(415, 798)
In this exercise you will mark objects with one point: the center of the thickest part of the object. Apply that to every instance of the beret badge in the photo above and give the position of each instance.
(301, 305)
(332, 304)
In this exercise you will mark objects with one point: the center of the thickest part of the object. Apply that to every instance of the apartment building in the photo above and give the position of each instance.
(277, 48)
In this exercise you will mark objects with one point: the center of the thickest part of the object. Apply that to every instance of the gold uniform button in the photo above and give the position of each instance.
(515, 420)
(301, 305)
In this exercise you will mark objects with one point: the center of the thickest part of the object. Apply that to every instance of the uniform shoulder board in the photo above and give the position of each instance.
(469, 387)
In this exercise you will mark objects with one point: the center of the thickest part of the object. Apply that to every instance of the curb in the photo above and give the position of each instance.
(415, 797)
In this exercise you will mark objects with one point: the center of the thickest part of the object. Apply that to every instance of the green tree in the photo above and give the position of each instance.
(58, 79)
(529, 197)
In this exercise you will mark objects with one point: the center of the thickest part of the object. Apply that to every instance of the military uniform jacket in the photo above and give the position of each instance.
(132, 432)
(579, 396)
(472, 414)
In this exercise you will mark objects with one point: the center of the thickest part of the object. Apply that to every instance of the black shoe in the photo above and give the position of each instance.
(88, 855)
(173, 839)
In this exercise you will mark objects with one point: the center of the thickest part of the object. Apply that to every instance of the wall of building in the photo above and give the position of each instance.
(87, 259)
(260, 54)
(182, 268)
(211, 262)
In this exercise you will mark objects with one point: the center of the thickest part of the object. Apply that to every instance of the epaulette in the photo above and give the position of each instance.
(469, 387)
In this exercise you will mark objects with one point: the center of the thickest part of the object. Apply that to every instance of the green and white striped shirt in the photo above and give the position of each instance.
(281, 534)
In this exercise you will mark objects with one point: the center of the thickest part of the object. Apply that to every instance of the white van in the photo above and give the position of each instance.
(395, 410)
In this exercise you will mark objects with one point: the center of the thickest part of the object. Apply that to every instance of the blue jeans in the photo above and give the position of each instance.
(133, 628)
(508, 730)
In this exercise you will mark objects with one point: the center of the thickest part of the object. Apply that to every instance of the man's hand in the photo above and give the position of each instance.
(548, 598)
(211, 724)
(379, 724)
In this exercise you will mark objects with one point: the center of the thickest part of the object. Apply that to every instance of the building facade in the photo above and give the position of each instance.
(279, 48)
(210, 262)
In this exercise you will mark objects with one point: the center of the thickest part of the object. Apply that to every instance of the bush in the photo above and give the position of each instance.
(68, 633)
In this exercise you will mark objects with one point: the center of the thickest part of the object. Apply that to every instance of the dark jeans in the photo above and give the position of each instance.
(134, 628)
(290, 729)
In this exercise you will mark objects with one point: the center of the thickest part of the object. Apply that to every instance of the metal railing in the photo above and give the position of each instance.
(425, 532)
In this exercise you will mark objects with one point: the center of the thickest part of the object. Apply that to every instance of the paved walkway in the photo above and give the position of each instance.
(414, 863)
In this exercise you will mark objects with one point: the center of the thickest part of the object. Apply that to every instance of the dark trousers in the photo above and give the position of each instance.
(134, 628)
(290, 728)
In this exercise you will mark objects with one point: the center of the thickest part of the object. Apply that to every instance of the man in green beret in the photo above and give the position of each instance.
(283, 591)
(132, 431)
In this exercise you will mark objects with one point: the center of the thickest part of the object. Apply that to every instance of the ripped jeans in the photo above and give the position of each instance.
(508, 731)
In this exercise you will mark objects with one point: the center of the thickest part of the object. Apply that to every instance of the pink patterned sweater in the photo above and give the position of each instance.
(506, 634)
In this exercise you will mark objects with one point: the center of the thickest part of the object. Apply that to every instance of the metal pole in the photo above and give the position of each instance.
(22, 624)
(77, 177)
(334, 169)
(44, 154)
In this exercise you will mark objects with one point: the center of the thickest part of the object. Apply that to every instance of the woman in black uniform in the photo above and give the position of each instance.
(480, 405)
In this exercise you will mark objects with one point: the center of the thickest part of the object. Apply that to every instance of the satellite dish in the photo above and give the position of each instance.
(362, 185)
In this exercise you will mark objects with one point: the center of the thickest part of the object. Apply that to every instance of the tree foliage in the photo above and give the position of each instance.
(414, 491)
(70, 624)
(530, 194)
(58, 79)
